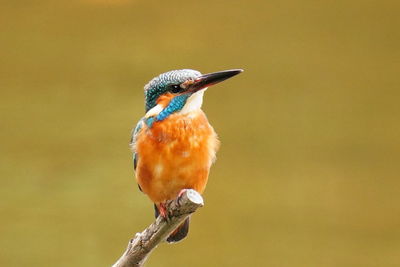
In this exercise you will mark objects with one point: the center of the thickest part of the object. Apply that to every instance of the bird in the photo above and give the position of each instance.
(174, 145)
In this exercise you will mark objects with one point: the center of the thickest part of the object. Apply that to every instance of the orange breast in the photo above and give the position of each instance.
(174, 154)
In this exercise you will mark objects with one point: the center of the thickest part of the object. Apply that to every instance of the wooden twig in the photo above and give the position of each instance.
(140, 247)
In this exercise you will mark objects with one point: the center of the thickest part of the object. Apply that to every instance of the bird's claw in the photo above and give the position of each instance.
(180, 196)
(164, 211)
(162, 207)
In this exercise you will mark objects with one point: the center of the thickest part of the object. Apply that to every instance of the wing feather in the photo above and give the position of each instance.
(134, 136)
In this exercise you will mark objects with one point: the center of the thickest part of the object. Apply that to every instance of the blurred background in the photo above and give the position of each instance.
(308, 171)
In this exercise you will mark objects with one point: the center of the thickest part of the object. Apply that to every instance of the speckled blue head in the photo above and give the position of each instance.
(167, 82)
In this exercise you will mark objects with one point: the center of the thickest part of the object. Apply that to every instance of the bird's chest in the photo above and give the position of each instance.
(179, 137)
(176, 153)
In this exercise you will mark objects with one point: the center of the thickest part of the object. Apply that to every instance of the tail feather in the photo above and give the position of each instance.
(180, 232)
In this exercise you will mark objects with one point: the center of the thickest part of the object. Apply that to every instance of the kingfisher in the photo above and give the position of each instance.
(174, 145)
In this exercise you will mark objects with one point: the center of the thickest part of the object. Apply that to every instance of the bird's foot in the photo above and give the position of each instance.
(162, 207)
(163, 210)
(180, 195)
(181, 192)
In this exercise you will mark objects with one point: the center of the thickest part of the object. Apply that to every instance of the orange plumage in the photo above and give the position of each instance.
(175, 154)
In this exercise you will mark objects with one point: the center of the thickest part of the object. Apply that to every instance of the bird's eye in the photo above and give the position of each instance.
(176, 88)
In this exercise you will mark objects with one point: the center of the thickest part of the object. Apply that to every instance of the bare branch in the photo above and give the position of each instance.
(140, 247)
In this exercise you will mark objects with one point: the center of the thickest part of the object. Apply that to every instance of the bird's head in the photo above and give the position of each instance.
(186, 84)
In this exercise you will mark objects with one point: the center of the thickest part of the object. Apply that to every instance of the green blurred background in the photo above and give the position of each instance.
(308, 171)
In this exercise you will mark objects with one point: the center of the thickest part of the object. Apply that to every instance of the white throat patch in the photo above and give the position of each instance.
(154, 111)
(194, 102)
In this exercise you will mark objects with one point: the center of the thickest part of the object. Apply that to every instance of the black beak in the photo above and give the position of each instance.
(212, 78)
